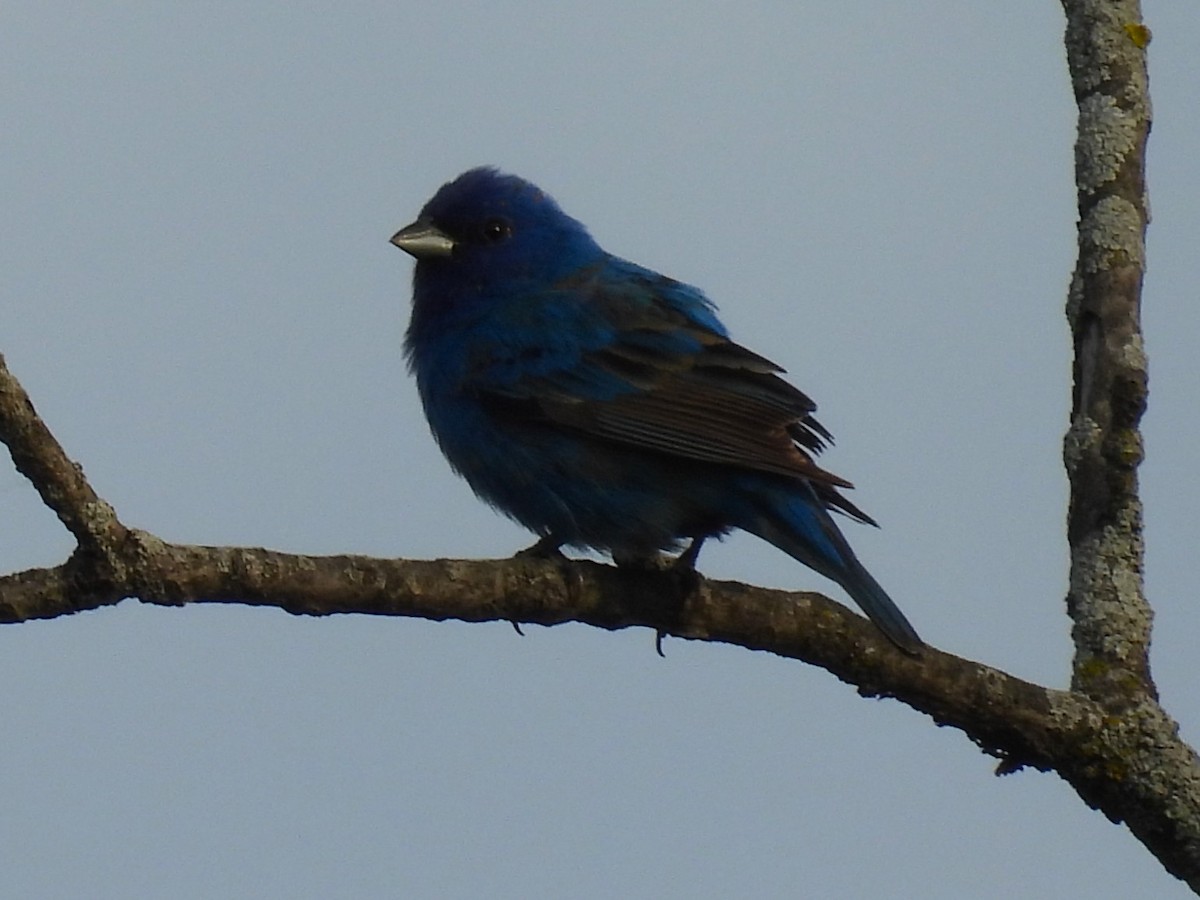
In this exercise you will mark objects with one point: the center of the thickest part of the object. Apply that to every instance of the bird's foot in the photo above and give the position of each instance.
(545, 548)
(686, 561)
(680, 570)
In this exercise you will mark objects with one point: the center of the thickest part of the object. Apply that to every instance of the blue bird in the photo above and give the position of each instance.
(603, 405)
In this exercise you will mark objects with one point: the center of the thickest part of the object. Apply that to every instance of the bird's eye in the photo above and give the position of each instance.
(496, 230)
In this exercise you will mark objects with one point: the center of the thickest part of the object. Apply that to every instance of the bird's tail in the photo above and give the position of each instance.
(801, 527)
(875, 602)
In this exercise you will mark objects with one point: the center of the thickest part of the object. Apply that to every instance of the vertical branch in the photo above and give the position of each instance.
(1106, 43)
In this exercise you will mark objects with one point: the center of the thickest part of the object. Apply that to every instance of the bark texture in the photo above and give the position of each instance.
(1107, 736)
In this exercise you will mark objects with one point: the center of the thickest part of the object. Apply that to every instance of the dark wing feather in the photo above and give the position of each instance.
(723, 405)
(685, 389)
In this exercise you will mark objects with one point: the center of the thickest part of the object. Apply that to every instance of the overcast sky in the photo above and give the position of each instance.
(197, 289)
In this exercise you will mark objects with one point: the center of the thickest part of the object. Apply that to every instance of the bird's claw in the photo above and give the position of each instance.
(545, 548)
(686, 561)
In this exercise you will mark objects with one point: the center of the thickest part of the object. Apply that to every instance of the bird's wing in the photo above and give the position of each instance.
(665, 378)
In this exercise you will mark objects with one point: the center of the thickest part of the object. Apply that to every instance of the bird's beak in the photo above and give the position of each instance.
(422, 240)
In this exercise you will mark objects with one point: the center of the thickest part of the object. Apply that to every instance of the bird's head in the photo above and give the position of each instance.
(487, 231)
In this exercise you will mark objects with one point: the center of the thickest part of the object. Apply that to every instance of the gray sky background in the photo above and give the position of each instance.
(197, 289)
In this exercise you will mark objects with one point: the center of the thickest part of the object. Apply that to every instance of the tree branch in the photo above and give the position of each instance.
(1108, 736)
(60, 482)
(1106, 43)
(1020, 723)
(1103, 446)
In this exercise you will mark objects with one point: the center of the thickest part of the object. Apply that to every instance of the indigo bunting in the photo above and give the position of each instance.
(603, 405)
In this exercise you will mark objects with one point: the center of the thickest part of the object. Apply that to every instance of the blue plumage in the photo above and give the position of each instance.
(603, 405)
